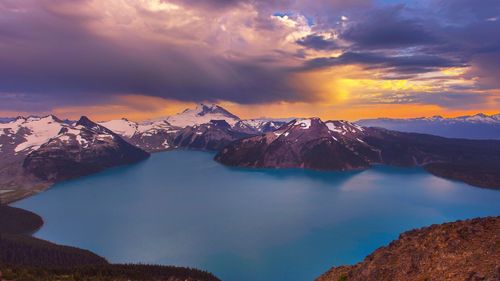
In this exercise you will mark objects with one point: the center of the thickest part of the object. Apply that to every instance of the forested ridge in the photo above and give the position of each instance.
(25, 258)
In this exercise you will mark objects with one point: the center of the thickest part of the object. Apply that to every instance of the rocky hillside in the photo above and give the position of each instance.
(458, 251)
(341, 145)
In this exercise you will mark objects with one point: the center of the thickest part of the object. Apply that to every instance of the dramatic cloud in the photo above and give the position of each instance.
(389, 28)
(57, 54)
(400, 64)
(318, 42)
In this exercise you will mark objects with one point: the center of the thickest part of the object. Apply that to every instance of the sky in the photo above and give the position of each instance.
(335, 59)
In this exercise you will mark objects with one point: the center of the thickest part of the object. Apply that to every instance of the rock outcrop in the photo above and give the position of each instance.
(459, 251)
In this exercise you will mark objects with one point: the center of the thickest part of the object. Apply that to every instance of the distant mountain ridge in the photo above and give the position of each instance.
(478, 126)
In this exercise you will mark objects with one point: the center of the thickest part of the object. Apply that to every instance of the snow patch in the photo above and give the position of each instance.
(304, 124)
(122, 127)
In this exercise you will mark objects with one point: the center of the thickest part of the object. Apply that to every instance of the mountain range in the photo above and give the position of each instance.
(37, 152)
(341, 145)
(479, 126)
(204, 127)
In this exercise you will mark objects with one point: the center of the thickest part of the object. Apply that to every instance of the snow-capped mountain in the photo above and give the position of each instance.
(79, 150)
(149, 135)
(479, 126)
(202, 114)
(341, 145)
(38, 151)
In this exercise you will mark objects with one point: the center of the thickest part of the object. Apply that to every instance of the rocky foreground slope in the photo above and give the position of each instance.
(458, 251)
(341, 145)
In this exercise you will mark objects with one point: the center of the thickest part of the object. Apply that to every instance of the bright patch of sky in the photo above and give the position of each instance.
(310, 20)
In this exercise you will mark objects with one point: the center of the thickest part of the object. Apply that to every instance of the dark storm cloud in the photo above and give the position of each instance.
(404, 39)
(95, 70)
(468, 10)
(318, 42)
(388, 28)
(57, 58)
(399, 64)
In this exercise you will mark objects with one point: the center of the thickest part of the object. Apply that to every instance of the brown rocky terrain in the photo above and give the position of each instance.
(464, 250)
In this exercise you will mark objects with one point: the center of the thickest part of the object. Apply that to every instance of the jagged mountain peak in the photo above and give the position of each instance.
(85, 121)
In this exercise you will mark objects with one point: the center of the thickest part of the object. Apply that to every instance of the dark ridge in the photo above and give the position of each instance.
(18, 221)
(23, 250)
(112, 272)
(26, 258)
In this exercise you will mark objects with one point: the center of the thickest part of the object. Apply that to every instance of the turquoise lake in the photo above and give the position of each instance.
(182, 208)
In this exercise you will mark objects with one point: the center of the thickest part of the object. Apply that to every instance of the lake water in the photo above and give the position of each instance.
(182, 208)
